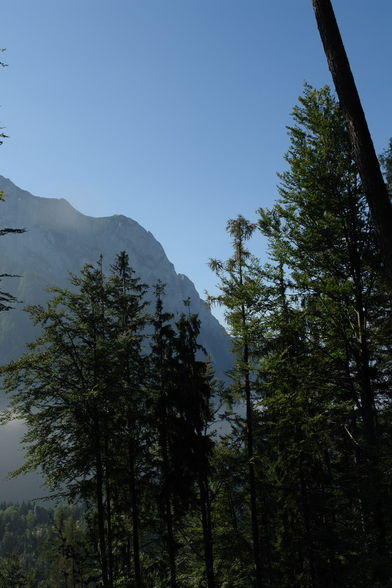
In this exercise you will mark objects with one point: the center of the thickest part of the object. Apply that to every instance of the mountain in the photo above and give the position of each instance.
(59, 240)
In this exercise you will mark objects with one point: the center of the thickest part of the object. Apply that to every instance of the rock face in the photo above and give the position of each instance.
(59, 240)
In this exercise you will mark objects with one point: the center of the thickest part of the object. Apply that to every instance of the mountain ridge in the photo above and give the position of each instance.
(59, 239)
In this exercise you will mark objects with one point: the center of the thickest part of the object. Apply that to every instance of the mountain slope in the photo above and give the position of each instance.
(59, 240)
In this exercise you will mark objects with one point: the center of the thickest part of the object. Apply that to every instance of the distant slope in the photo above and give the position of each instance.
(59, 240)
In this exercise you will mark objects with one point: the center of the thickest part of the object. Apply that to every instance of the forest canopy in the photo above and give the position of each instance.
(281, 479)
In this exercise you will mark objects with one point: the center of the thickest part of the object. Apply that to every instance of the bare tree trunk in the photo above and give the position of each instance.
(207, 529)
(108, 512)
(249, 433)
(365, 155)
(135, 515)
(101, 515)
(167, 499)
(309, 559)
(251, 470)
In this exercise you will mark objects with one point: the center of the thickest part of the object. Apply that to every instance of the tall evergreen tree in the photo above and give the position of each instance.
(319, 232)
(193, 390)
(161, 364)
(72, 388)
(181, 389)
(238, 291)
(129, 312)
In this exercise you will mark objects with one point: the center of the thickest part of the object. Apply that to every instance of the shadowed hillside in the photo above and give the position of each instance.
(59, 240)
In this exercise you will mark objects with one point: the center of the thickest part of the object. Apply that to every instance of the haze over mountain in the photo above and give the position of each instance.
(59, 240)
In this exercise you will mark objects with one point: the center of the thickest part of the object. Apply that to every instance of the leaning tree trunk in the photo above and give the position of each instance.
(364, 152)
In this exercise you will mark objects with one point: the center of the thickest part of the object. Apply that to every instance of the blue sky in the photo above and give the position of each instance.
(172, 112)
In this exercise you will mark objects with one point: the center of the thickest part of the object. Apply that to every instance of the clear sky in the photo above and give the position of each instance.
(172, 112)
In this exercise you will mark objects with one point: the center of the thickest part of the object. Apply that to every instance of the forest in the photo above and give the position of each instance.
(165, 476)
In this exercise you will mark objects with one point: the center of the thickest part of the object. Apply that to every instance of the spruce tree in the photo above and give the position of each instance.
(238, 285)
(181, 389)
(193, 390)
(319, 232)
(128, 304)
(161, 366)
(74, 391)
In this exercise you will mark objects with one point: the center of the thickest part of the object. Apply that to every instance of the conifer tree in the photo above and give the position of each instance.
(129, 311)
(238, 291)
(181, 397)
(319, 231)
(161, 365)
(74, 392)
(194, 389)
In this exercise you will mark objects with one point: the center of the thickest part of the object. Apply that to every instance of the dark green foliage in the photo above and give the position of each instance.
(181, 389)
(78, 389)
(292, 488)
(239, 292)
(317, 318)
(44, 546)
(322, 344)
(116, 418)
